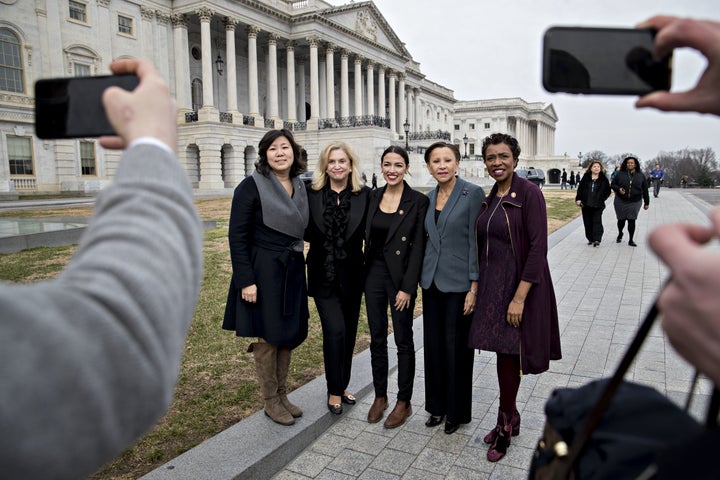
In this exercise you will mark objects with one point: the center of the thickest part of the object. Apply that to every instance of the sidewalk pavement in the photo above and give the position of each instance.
(602, 294)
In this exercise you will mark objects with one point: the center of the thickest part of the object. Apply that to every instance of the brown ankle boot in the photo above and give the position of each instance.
(266, 368)
(283, 366)
(377, 410)
(502, 440)
(399, 415)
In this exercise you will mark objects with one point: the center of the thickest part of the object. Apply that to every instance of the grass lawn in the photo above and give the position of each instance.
(217, 385)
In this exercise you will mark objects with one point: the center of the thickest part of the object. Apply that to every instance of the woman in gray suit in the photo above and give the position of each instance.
(449, 288)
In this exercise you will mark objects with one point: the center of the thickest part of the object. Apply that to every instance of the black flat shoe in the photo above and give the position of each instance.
(336, 409)
(632, 244)
(619, 238)
(451, 427)
(596, 244)
(349, 399)
(434, 420)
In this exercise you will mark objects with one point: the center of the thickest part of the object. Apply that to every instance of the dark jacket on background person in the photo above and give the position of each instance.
(405, 243)
(593, 193)
(633, 193)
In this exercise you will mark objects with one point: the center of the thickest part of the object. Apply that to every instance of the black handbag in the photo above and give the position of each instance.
(613, 429)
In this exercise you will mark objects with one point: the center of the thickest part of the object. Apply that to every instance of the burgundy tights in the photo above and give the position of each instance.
(508, 371)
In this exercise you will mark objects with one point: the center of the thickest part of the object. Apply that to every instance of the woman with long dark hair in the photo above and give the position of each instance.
(593, 190)
(631, 192)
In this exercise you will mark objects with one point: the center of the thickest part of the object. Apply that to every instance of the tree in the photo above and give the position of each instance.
(596, 155)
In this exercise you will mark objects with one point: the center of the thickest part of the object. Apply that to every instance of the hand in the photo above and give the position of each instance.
(147, 111)
(646, 206)
(249, 293)
(514, 313)
(703, 35)
(402, 301)
(690, 302)
(578, 203)
(622, 191)
(469, 306)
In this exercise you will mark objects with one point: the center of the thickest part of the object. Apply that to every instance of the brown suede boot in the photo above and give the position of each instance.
(266, 367)
(399, 415)
(283, 366)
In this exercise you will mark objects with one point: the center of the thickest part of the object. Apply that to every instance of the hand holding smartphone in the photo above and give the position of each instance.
(610, 61)
(72, 107)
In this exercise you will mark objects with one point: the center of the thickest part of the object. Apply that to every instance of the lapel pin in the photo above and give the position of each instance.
(513, 194)
(401, 212)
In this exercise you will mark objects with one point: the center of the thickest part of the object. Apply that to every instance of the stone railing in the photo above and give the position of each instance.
(24, 184)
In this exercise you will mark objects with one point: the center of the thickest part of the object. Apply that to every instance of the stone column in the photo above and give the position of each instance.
(231, 69)
(402, 114)
(103, 40)
(418, 111)
(253, 91)
(273, 106)
(381, 92)
(182, 64)
(302, 94)
(370, 88)
(147, 15)
(330, 79)
(210, 164)
(358, 86)
(392, 77)
(314, 85)
(344, 85)
(206, 15)
(162, 59)
(291, 102)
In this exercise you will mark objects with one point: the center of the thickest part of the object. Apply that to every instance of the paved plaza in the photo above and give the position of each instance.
(602, 295)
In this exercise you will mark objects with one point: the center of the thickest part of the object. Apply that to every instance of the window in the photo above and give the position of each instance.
(78, 11)
(471, 148)
(472, 126)
(11, 71)
(457, 127)
(81, 70)
(20, 155)
(87, 158)
(125, 25)
(487, 125)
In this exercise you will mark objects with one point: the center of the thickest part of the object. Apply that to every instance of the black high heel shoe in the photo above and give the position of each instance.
(434, 420)
(349, 399)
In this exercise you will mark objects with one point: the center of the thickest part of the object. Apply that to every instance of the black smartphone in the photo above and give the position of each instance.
(72, 107)
(610, 61)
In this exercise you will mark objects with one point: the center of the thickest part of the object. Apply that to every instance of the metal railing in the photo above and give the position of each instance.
(294, 126)
(249, 120)
(433, 135)
(358, 121)
(191, 117)
(225, 117)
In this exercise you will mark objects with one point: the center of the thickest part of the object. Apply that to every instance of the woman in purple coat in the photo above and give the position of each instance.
(515, 313)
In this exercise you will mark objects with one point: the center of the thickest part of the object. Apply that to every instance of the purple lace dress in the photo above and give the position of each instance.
(496, 285)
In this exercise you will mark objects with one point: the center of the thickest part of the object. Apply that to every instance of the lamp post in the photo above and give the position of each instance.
(579, 159)
(406, 127)
(465, 141)
(219, 64)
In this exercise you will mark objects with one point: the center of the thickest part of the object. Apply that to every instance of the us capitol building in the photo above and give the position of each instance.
(238, 68)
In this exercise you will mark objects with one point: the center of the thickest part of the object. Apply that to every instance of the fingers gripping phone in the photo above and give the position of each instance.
(611, 61)
(72, 107)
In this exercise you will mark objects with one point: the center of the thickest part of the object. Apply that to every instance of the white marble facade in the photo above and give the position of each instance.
(238, 68)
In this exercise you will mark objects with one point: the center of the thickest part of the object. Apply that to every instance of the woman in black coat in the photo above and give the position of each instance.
(593, 190)
(631, 192)
(338, 204)
(268, 295)
(394, 244)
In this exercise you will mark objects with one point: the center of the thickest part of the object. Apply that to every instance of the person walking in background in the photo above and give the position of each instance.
(267, 297)
(614, 173)
(89, 359)
(657, 177)
(449, 288)
(593, 190)
(374, 181)
(338, 205)
(563, 180)
(515, 312)
(631, 192)
(572, 179)
(394, 245)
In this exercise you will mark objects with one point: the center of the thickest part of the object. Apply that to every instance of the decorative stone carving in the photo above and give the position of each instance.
(147, 13)
(230, 24)
(205, 14)
(179, 20)
(365, 25)
(252, 31)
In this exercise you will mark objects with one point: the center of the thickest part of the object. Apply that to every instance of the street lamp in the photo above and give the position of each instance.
(406, 127)
(465, 140)
(579, 159)
(219, 64)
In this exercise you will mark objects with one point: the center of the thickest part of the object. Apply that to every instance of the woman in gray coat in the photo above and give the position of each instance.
(449, 283)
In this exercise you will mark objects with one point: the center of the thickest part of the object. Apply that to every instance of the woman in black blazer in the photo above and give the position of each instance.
(338, 204)
(394, 243)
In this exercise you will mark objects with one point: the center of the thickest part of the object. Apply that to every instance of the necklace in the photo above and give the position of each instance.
(502, 194)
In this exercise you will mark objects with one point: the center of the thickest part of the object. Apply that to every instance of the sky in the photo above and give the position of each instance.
(489, 49)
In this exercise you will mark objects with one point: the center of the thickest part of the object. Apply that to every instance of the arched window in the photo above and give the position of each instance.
(11, 70)
(197, 94)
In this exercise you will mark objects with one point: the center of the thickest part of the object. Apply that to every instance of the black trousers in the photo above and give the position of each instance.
(379, 294)
(339, 319)
(592, 220)
(448, 359)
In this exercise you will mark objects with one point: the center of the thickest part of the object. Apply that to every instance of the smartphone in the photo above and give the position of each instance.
(610, 61)
(72, 107)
